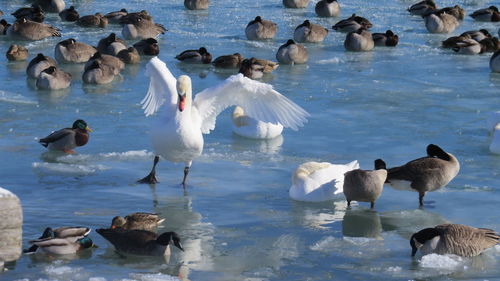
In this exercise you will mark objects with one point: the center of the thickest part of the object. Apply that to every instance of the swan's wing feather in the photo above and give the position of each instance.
(259, 100)
(162, 87)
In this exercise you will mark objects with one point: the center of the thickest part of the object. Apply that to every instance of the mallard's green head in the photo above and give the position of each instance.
(80, 124)
(86, 242)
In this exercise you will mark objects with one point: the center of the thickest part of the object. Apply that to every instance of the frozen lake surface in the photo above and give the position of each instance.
(235, 218)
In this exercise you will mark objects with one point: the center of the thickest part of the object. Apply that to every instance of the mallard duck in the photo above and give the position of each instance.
(309, 32)
(387, 39)
(98, 73)
(297, 4)
(96, 20)
(140, 28)
(68, 139)
(33, 13)
(130, 18)
(468, 47)
(116, 16)
(292, 53)
(111, 45)
(4, 25)
(269, 65)
(129, 56)
(490, 45)
(248, 127)
(115, 63)
(70, 233)
(488, 14)
(53, 78)
(38, 64)
(327, 8)
(147, 47)
(195, 56)
(259, 29)
(228, 61)
(440, 22)
(454, 239)
(352, 23)
(70, 14)
(30, 30)
(422, 8)
(319, 181)
(456, 11)
(51, 6)
(365, 185)
(495, 62)
(59, 246)
(141, 242)
(139, 220)
(17, 53)
(196, 4)
(425, 174)
(252, 69)
(359, 41)
(71, 51)
(477, 35)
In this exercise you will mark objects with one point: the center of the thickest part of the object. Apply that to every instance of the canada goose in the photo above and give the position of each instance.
(196, 4)
(38, 64)
(116, 16)
(140, 28)
(297, 4)
(33, 13)
(51, 6)
(495, 141)
(17, 53)
(96, 20)
(425, 174)
(147, 47)
(68, 139)
(455, 239)
(319, 181)
(292, 53)
(111, 45)
(141, 242)
(130, 18)
(359, 41)
(29, 30)
(327, 8)
(129, 56)
(352, 23)
(71, 51)
(195, 56)
(69, 14)
(365, 185)
(98, 73)
(309, 32)
(228, 61)
(252, 69)
(440, 23)
(115, 63)
(139, 220)
(53, 78)
(259, 29)
(488, 14)
(423, 7)
(490, 45)
(468, 47)
(495, 62)
(388, 39)
(69, 233)
(4, 25)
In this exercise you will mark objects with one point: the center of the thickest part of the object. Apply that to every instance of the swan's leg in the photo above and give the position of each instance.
(186, 172)
(151, 178)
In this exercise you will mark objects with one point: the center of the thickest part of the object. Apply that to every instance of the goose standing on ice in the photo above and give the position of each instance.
(178, 134)
(316, 182)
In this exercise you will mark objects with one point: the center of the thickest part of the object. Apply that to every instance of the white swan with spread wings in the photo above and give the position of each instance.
(177, 134)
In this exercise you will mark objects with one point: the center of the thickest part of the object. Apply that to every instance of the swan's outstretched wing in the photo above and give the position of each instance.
(259, 100)
(162, 87)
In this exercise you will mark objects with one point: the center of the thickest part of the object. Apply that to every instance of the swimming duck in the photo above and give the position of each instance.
(71, 51)
(490, 45)
(196, 4)
(68, 139)
(141, 242)
(111, 45)
(140, 28)
(478, 35)
(248, 127)
(96, 20)
(53, 78)
(468, 47)
(178, 136)
(292, 53)
(488, 14)
(4, 25)
(33, 13)
(425, 174)
(38, 64)
(365, 185)
(252, 69)
(195, 56)
(388, 39)
(59, 246)
(113, 62)
(297, 4)
(269, 65)
(495, 62)
(69, 14)
(17, 53)
(440, 22)
(259, 29)
(139, 220)
(147, 47)
(51, 6)
(129, 56)
(422, 8)
(352, 23)
(130, 18)
(116, 16)
(98, 73)
(495, 141)
(455, 239)
(70, 233)
(359, 41)
(327, 8)
(228, 61)
(316, 182)
(30, 30)
(309, 32)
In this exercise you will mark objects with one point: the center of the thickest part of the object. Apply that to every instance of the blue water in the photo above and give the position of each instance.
(235, 217)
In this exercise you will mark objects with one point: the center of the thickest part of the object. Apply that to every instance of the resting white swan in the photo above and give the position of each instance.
(315, 182)
(177, 134)
(248, 127)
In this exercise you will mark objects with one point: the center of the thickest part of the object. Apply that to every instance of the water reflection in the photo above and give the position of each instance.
(271, 146)
(407, 222)
(362, 223)
(318, 215)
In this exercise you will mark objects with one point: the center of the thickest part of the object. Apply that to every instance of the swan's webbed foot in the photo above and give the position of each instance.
(151, 178)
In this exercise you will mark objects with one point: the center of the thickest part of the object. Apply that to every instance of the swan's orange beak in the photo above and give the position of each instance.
(182, 102)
